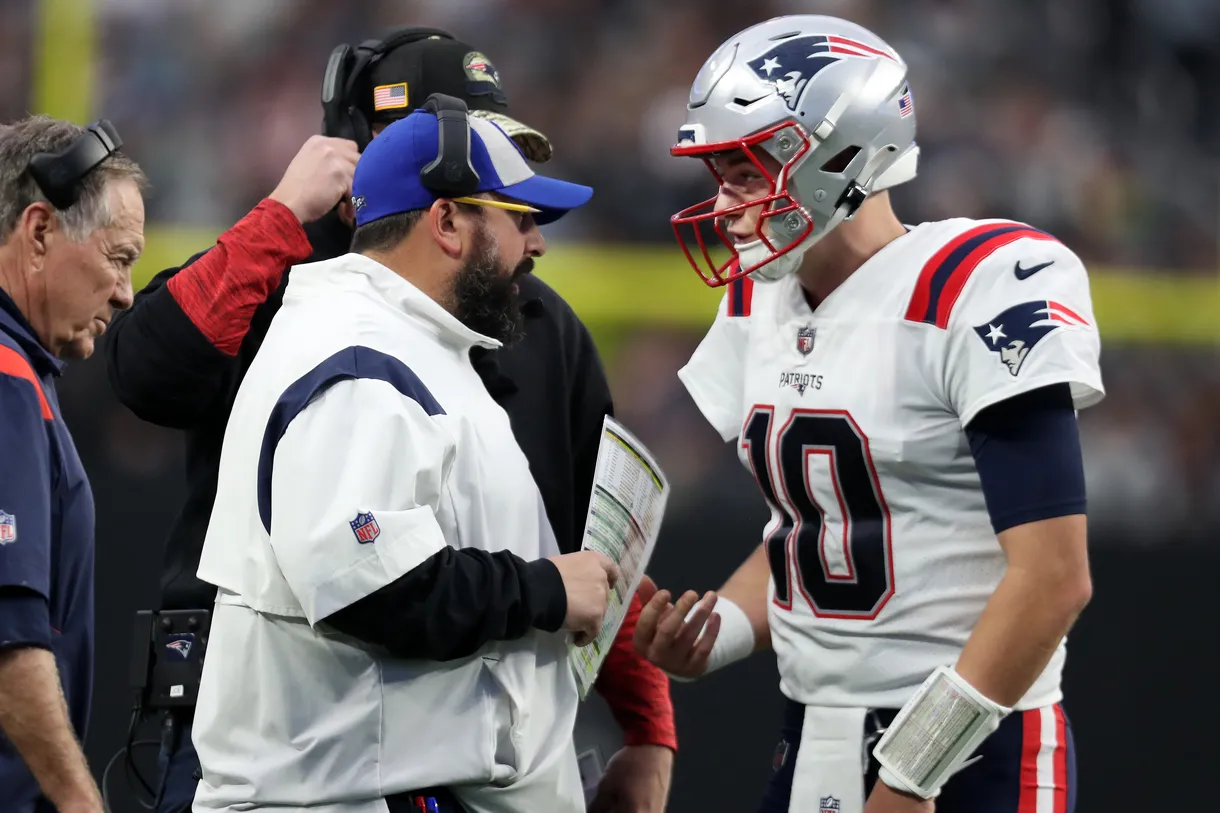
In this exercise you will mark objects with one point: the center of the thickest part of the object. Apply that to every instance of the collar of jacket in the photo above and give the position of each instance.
(358, 272)
(14, 323)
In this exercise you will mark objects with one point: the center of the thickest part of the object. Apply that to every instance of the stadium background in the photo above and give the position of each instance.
(1095, 119)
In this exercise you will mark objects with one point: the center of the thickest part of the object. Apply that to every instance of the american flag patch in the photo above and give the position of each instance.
(905, 108)
(390, 97)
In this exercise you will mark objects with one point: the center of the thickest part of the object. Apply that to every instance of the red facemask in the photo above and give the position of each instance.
(777, 202)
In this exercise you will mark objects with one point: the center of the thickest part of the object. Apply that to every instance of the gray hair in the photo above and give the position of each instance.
(21, 141)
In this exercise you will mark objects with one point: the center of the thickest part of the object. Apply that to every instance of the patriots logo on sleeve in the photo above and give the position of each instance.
(1016, 331)
(793, 62)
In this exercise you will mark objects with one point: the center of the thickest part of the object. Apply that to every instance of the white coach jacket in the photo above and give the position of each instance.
(362, 442)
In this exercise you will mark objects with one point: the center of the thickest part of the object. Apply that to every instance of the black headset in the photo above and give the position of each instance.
(342, 89)
(451, 174)
(60, 174)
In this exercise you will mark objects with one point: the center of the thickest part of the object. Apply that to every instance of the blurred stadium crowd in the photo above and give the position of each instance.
(1096, 120)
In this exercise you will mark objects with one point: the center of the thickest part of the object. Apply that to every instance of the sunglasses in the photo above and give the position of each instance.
(498, 204)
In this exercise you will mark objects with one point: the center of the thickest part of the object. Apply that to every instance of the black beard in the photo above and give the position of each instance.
(486, 298)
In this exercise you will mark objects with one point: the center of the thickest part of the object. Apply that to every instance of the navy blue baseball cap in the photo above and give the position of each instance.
(387, 180)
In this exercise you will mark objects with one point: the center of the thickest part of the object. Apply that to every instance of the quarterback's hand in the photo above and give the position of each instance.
(636, 780)
(319, 176)
(885, 799)
(587, 577)
(664, 637)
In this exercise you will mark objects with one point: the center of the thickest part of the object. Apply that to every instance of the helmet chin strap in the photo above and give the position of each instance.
(756, 251)
(902, 170)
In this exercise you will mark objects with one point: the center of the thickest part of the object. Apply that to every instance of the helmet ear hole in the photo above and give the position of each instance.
(841, 161)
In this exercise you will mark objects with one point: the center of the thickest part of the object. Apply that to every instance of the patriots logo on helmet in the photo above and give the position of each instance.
(365, 527)
(793, 62)
(1016, 331)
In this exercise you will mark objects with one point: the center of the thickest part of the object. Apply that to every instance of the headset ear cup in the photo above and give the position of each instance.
(59, 175)
(451, 174)
(345, 83)
(335, 107)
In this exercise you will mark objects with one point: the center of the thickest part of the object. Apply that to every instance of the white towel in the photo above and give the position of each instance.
(828, 776)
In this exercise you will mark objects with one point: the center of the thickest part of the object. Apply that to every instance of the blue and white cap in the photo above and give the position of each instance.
(387, 180)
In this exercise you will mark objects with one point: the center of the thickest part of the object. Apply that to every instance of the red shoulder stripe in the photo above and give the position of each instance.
(945, 275)
(14, 364)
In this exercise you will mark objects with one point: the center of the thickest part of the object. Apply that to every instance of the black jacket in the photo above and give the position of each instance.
(551, 384)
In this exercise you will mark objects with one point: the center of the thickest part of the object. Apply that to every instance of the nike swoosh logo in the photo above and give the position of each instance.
(1026, 273)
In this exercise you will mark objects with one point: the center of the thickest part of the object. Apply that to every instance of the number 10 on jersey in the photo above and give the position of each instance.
(797, 544)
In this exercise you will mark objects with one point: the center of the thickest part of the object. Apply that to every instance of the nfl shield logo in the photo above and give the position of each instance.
(8, 528)
(804, 340)
(365, 527)
(829, 804)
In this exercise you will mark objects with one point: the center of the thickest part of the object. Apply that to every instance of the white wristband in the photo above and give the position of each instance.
(734, 641)
(935, 732)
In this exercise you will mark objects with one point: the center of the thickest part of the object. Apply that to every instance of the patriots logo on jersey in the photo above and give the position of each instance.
(800, 381)
(1016, 331)
(793, 62)
(365, 527)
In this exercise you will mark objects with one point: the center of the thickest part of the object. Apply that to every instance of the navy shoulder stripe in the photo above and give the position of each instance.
(945, 275)
(741, 293)
(347, 364)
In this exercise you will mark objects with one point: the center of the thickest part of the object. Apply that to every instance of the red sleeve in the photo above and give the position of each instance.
(637, 691)
(220, 291)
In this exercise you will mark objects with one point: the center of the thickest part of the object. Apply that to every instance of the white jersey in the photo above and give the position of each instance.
(852, 417)
(361, 443)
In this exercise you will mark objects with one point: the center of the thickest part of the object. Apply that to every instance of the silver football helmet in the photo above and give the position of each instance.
(825, 98)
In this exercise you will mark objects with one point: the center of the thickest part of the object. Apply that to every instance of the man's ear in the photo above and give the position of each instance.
(36, 224)
(446, 227)
(347, 212)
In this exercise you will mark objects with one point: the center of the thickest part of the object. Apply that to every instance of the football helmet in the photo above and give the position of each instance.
(829, 101)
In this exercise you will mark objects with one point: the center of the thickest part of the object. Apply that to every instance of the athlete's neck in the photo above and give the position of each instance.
(836, 257)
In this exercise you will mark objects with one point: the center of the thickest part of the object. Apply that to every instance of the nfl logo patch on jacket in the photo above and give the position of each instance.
(365, 527)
